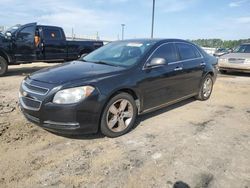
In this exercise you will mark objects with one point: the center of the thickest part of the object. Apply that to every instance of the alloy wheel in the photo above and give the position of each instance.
(207, 87)
(119, 115)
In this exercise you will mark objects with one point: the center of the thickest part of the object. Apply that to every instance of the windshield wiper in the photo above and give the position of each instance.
(104, 63)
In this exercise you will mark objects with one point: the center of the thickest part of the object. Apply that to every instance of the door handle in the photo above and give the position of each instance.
(178, 69)
(202, 64)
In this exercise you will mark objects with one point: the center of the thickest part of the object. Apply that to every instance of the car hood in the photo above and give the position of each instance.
(236, 55)
(74, 70)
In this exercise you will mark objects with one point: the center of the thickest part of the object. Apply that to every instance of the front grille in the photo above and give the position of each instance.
(30, 104)
(235, 60)
(34, 89)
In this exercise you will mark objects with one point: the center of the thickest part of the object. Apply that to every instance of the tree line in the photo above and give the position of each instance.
(218, 43)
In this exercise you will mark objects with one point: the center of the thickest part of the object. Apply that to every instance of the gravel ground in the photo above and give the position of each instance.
(192, 143)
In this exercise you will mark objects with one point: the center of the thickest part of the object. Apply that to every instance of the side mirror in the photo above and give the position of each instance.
(156, 62)
(8, 34)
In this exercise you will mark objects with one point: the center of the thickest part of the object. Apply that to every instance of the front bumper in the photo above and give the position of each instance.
(77, 118)
(239, 67)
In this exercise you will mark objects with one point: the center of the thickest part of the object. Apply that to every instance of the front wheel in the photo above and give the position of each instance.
(119, 115)
(206, 88)
(3, 66)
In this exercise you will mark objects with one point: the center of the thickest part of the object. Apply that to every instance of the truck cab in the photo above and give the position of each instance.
(32, 42)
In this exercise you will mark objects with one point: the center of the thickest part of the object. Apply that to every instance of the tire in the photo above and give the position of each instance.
(223, 71)
(115, 121)
(205, 91)
(3, 66)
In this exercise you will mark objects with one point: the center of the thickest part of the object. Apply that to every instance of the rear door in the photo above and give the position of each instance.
(193, 67)
(54, 43)
(24, 44)
(162, 84)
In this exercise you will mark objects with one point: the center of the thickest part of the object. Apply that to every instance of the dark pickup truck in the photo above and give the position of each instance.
(31, 42)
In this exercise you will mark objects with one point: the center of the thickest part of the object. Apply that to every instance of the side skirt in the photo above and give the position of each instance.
(167, 104)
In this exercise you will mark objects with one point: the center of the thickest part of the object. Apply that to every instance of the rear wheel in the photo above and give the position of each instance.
(3, 66)
(206, 88)
(119, 115)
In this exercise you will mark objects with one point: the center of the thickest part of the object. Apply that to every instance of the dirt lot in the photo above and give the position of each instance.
(202, 144)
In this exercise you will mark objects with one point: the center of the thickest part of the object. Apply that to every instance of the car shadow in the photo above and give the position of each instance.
(93, 136)
(181, 184)
(234, 74)
(149, 115)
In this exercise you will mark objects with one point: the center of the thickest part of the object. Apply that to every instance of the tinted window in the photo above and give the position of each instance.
(243, 49)
(166, 51)
(188, 51)
(26, 34)
(52, 34)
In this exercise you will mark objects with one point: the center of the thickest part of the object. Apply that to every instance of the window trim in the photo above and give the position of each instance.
(174, 62)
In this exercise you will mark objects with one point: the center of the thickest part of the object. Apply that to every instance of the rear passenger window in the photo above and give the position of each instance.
(166, 51)
(52, 34)
(188, 51)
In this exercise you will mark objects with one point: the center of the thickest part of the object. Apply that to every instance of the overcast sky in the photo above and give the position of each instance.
(186, 19)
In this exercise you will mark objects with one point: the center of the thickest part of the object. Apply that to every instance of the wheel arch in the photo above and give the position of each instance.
(4, 55)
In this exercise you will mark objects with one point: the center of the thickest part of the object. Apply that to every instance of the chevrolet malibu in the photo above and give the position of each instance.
(109, 87)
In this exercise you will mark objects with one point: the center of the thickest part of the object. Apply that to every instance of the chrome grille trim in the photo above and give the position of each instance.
(29, 107)
(25, 88)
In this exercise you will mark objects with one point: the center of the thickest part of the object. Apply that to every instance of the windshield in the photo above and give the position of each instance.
(121, 53)
(221, 50)
(245, 48)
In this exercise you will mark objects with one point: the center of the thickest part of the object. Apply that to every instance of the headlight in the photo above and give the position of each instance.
(247, 61)
(72, 95)
(222, 60)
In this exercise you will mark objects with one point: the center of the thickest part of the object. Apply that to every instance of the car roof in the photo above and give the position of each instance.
(49, 26)
(155, 40)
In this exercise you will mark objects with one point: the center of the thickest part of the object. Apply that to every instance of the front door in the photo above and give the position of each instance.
(162, 84)
(24, 44)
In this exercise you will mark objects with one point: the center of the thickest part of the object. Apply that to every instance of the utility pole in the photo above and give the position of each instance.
(123, 25)
(73, 33)
(153, 17)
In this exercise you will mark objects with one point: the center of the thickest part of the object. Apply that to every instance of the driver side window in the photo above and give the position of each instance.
(167, 52)
(26, 34)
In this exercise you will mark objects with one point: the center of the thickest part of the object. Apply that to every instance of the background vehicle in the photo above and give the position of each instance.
(113, 84)
(220, 51)
(238, 61)
(32, 42)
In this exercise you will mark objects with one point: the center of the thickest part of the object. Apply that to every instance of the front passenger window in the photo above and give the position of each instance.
(167, 52)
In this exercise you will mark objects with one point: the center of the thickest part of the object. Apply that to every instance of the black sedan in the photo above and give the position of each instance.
(108, 88)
